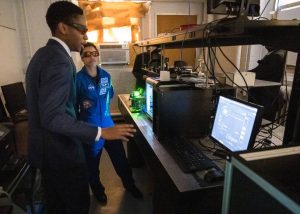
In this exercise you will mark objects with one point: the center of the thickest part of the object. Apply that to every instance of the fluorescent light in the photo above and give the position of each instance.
(139, 1)
(285, 2)
(290, 8)
(108, 21)
(118, 34)
(92, 36)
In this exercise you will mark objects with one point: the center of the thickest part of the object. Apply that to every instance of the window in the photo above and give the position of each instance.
(288, 4)
(117, 34)
(288, 10)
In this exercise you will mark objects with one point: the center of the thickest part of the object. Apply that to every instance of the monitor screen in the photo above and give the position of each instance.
(149, 99)
(233, 7)
(236, 124)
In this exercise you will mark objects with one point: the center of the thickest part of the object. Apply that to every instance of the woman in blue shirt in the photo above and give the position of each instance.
(94, 92)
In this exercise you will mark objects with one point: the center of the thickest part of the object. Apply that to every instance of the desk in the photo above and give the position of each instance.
(265, 181)
(174, 190)
(263, 83)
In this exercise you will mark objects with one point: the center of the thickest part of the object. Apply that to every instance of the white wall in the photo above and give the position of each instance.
(288, 15)
(35, 22)
(11, 54)
(257, 52)
(34, 29)
(23, 30)
(169, 8)
(231, 52)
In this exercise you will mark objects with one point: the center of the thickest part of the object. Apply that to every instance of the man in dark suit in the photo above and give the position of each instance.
(54, 132)
(270, 68)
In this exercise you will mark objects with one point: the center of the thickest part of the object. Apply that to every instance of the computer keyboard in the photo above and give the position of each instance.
(187, 155)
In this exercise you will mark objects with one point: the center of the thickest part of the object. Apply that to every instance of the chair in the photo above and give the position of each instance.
(15, 101)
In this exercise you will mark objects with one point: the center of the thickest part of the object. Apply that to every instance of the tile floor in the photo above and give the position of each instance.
(120, 201)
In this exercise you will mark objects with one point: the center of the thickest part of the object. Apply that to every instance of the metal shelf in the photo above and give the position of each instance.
(282, 34)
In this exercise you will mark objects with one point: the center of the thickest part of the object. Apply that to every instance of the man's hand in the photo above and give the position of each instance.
(122, 132)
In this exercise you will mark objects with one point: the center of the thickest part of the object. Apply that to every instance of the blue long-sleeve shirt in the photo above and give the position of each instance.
(94, 99)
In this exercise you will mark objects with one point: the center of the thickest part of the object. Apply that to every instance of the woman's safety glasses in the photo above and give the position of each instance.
(90, 53)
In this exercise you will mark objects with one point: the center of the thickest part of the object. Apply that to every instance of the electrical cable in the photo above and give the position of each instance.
(206, 30)
(5, 193)
(208, 148)
(210, 49)
(226, 57)
(265, 134)
(247, 88)
(262, 17)
(217, 159)
(246, 85)
(226, 73)
(263, 10)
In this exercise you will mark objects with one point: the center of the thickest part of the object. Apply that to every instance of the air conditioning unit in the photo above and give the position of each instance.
(114, 53)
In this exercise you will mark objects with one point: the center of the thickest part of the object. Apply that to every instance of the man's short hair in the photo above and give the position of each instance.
(61, 11)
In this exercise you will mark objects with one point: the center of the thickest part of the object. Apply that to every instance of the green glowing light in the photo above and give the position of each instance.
(136, 93)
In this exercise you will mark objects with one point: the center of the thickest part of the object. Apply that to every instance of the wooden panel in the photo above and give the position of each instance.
(171, 24)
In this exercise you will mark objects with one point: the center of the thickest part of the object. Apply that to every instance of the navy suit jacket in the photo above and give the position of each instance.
(54, 131)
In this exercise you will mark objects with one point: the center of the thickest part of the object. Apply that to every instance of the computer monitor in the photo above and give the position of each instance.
(236, 124)
(233, 7)
(149, 100)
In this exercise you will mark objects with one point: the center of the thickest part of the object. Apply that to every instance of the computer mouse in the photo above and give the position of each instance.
(213, 175)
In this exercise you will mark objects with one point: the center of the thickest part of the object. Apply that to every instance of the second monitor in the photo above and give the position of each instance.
(236, 124)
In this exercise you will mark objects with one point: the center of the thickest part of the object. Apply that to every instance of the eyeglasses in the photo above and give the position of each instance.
(90, 53)
(81, 28)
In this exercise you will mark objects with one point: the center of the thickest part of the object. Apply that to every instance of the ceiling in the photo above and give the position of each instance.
(102, 14)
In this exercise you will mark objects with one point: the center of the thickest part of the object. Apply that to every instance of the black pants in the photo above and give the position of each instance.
(118, 158)
(66, 191)
(270, 98)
